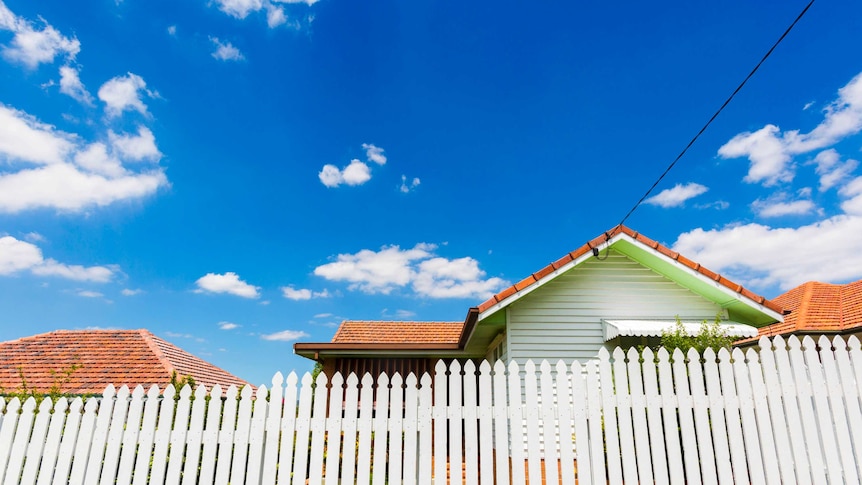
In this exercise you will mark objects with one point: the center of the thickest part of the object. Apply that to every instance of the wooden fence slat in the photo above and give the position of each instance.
(146, 437)
(178, 435)
(778, 423)
(380, 427)
(318, 432)
(303, 429)
(113, 444)
(210, 436)
(717, 423)
(36, 443)
(396, 430)
(82, 444)
(132, 428)
(531, 418)
(685, 412)
(226, 436)
(272, 429)
(669, 411)
(47, 466)
(441, 429)
(836, 403)
(456, 422)
(851, 393)
(624, 417)
(471, 425)
(424, 425)
(19, 444)
(609, 412)
(333, 430)
(351, 411)
(566, 429)
(655, 426)
(412, 437)
(596, 449)
(194, 437)
(501, 425)
(811, 386)
(363, 426)
(791, 408)
(516, 425)
(7, 432)
(257, 436)
(547, 413)
(701, 406)
(288, 428)
(768, 454)
(639, 421)
(67, 443)
(733, 418)
(751, 450)
(240, 437)
(100, 435)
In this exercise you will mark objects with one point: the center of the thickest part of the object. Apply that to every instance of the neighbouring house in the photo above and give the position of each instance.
(818, 308)
(621, 288)
(86, 361)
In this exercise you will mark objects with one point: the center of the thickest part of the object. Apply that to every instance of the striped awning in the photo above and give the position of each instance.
(654, 328)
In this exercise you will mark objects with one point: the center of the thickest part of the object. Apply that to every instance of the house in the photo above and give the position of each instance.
(818, 308)
(86, 361)
(621, 288)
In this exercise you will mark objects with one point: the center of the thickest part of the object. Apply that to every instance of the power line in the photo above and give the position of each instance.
(714, 116)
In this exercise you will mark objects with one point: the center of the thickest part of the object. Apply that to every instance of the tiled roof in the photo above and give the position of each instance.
(119, 357)
(361, 331)
(819, 307)
(597, 242)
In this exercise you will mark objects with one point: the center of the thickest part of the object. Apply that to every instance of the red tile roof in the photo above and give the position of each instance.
(597, 242)
(119, 357)
(819, 307)
(360, 331)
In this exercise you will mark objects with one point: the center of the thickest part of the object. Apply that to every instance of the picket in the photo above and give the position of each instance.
(645, 417)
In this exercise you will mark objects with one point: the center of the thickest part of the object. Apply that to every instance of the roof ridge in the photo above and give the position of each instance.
(805, 303)
(149, 338)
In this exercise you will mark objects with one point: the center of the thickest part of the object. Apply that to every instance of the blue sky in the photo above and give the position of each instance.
(235, 175)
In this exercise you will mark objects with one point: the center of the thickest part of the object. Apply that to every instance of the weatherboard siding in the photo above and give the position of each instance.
(562, 319)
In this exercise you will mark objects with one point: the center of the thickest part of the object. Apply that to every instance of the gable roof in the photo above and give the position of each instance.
(118, 357)
(377, 337)
(819, 307)
(651, 254)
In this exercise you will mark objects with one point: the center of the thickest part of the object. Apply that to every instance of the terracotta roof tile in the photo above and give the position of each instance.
(819, 307)
(119, 357)
(598, 241)
(362, 331)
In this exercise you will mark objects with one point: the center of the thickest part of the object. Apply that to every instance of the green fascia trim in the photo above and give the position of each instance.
(739, 310)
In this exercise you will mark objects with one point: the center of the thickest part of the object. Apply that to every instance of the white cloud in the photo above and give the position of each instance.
(407, 188)
(34, 237)
(70, 175)
(226, 283)
(298, 294)
(17, 256)
(228, 325)
(374, 153)
(123, 93)
(770, 151)
(239, 8)
(427, 275)
(676, 196)
(136, 148)
(31, 46)
(225, 51)
(172, 30)
(779, 205)
(71, 85)
(832, 170)
(131, 292)
(90, 294)
(285, 335)
(357, 173)
(275, 16)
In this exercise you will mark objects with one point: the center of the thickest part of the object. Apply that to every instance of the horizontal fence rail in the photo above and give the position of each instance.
(788, 413)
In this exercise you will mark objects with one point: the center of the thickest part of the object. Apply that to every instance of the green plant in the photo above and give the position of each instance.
(60, 378)
(710, 335)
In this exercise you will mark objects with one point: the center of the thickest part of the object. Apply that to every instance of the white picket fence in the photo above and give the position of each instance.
(788, 414)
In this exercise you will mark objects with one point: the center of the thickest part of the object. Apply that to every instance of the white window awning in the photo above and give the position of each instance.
(654, 328)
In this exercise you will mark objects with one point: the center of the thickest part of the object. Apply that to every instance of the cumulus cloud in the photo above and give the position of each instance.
(357, 173)
(275, 16)
(225, 51)
(374, 153)
(131, 292)
(32, 45)
(832, 170)
(71, 85)
(228, 325)
(418, 268)
(298, 294)
(18, 256)
(53, 169)
(676, 196)
(275, 13)
(123, 93)
(407, 188)
(90, 294)
(229, 283)
(770, 151)
(781, 205)
(285, 335)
